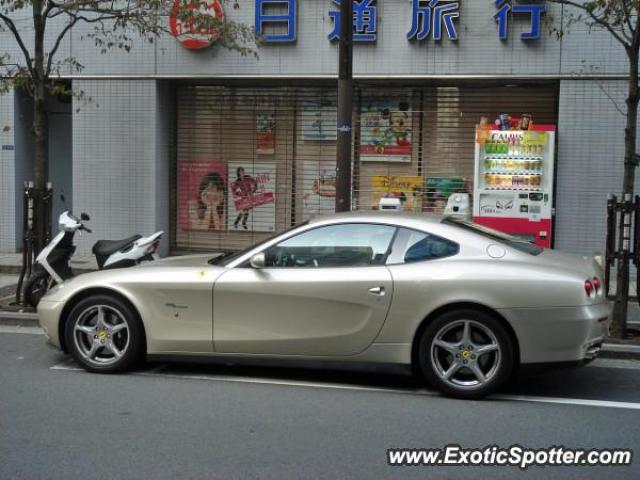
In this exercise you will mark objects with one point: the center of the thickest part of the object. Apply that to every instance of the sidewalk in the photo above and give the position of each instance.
(10, 263)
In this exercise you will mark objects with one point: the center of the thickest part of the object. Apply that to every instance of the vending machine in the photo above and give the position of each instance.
(513, 183)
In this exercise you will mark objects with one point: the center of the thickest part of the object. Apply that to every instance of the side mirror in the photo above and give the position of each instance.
(84, 217)
(258, 260)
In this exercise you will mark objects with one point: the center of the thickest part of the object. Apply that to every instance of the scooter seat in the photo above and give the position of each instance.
(104, 248)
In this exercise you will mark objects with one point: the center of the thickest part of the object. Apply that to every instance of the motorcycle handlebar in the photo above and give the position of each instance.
(86, 229)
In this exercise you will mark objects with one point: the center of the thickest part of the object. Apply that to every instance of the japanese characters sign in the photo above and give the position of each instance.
(276, 20)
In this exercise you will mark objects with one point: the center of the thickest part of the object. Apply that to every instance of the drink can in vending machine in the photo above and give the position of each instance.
(504, 121)
(525, 121)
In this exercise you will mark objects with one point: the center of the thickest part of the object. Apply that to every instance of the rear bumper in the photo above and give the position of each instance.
(49, 316)
(561, 334)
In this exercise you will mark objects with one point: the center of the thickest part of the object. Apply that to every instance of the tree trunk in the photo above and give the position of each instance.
(40, 161)
(619, 325)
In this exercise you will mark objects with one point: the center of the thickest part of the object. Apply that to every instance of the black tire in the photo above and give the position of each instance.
(130, 341)
(35, 287)
(495, 366)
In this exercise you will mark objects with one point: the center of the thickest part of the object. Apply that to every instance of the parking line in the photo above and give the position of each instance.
(568, 401)
(363, 388)
(20, 329)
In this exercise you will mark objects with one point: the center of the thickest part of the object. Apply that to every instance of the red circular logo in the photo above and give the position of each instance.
(191, 32)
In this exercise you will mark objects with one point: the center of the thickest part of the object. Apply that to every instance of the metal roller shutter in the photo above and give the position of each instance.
(415, 142)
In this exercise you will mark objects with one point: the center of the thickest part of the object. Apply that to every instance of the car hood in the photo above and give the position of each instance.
(201, 260)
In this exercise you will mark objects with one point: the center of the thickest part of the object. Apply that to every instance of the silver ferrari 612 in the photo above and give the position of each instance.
(462, 304)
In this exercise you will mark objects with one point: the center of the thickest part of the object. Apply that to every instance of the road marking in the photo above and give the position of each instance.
(70, 365)
(568, 401)
(615, 363)
(21, 329)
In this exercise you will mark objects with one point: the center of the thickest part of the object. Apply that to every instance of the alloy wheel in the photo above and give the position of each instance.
(465, 354)
(101, 335)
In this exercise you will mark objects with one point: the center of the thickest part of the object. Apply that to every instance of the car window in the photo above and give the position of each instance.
(415, 246)
(513, 242)
(344, 245)
(228, 257)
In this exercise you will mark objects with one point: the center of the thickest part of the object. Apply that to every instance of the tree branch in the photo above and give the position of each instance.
(624, 41)
(11, 26)
(56, 45)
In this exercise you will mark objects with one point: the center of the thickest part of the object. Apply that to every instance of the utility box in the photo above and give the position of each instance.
(459, 205)
(390, 204)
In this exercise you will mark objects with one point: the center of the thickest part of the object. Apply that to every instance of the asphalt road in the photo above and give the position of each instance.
(190, 421)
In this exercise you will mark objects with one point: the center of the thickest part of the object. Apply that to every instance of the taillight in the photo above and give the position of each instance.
(596, 284)
(588, 287)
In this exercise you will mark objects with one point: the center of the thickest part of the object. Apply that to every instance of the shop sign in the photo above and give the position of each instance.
(195, 32)
(407, 189)
(430, 19)
(265, 17)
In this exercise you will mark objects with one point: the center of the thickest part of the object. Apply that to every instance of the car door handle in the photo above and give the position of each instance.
(377, 291)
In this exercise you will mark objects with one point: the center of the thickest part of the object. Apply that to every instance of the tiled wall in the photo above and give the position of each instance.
(477, 51)
(118, 171)
(590, 161)
(7, 175)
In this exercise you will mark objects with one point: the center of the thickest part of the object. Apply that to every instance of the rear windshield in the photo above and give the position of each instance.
(510, 240)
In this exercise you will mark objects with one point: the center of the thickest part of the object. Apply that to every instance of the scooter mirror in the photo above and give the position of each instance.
(84, 217)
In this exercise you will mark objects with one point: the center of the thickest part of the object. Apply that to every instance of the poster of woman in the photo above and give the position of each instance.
(319, 188)
(202, 195)
(252, 187)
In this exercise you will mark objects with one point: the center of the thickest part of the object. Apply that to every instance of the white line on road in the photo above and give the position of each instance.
(342, 386)
(21, 329)
(569, 401)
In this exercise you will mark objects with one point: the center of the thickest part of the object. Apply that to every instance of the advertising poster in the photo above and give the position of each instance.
(319, 188)
(437, 191)
(386, 131)
(319, 120)
(202, 194)
(265, 133)
(407, 189)
(252, 189)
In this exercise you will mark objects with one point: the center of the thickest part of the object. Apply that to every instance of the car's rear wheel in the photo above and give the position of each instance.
(466, 354)
(104, 334)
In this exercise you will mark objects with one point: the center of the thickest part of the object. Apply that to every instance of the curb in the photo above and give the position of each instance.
(609, 350)
(16, 269)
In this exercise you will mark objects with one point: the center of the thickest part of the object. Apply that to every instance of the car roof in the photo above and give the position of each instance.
(375, 216)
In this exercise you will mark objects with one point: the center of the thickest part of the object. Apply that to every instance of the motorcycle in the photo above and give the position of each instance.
(53, 262)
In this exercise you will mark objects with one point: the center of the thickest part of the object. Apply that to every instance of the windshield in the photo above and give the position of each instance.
(226, 258)
(513, 242)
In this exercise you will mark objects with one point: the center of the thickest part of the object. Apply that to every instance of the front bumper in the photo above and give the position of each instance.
(561, 334)
(49, 313)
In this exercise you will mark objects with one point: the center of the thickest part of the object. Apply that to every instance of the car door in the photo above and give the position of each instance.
(323, 292)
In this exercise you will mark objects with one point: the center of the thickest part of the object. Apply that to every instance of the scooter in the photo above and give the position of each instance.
(53, 262)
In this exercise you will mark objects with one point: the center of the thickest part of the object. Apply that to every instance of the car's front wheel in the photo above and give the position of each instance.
(466, 354)
(104, 334)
